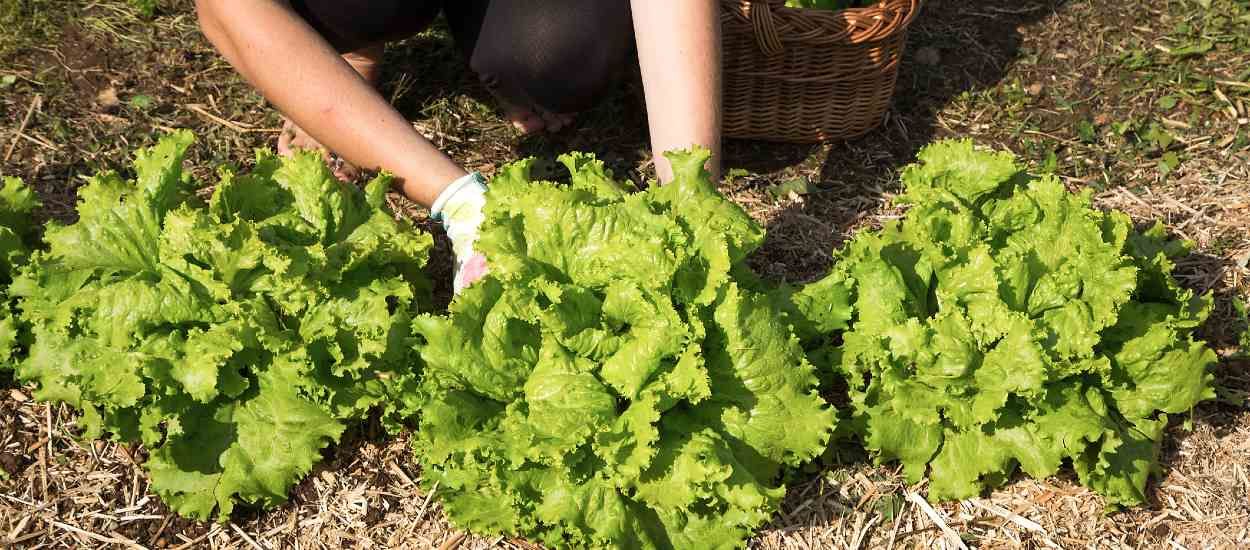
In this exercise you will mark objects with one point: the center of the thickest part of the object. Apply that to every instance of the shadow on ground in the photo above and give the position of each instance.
(967, 47)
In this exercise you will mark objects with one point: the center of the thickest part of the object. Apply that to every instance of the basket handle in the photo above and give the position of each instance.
(766, 36)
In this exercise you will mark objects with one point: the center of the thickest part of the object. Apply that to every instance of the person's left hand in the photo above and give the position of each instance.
(459, 207)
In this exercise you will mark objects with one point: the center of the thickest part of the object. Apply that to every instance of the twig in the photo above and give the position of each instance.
(1051, 136)
(239, 127)
(426, 503)
(1009, 516)
(1017, 11)
(95, 536)
(898, 521)
(34, 104)
(21, 524)
(38, 141)
(160, 530)
(1234, 84)
(951, 536)
(26, 537)
(1175, 124)
(1187, 208)
(453, 542)
(46, 450)
(36, 445)
(863, 533)
(1133, 197)
(216, 529)
(400, 473)
(246, 538)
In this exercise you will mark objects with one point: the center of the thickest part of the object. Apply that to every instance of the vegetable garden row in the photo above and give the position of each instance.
(620, 378)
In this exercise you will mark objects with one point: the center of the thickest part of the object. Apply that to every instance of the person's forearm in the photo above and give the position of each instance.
(679, 53)
(302, 75)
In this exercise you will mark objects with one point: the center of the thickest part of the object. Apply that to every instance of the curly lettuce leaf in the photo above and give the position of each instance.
(610, 384)
(1006, 324)
(235, 339)
(17, 240)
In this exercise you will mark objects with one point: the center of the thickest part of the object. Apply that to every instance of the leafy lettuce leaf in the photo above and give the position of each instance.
(17, 239)
(235, 338)
(610, 383)
(1006, 324)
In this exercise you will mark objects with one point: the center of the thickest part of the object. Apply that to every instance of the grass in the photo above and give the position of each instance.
(27, 23)
(1144, 103)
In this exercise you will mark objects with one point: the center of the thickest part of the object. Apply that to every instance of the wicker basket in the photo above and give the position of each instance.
(809, 75)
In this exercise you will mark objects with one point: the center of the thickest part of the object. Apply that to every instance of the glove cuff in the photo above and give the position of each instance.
(470, 180)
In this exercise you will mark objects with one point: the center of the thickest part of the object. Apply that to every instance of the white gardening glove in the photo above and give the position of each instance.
(459, 207)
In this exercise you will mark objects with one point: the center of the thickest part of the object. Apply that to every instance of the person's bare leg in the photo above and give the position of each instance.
(367, 62)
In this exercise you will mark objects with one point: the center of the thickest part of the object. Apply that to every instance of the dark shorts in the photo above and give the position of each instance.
(556, 55)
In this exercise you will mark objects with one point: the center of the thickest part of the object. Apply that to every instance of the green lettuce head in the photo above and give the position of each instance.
(235, 339)
(612, 382)
(1006, 323)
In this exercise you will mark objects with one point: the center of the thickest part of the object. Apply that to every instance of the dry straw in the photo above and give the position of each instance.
(808, 75)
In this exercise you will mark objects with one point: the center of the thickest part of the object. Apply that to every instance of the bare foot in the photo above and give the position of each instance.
(367, 62)
(532, 121)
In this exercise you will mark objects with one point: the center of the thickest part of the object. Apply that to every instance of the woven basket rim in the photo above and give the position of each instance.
(815, 26)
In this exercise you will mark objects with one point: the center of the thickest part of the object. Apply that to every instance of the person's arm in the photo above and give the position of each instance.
(301, 74)
(679, 53)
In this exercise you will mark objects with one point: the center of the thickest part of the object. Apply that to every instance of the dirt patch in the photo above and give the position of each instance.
(84, 59)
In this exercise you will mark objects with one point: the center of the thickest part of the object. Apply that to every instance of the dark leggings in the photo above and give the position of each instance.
(555, 55)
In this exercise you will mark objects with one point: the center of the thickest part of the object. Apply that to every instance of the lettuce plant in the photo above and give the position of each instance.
(1006, 323)
(16, 238)
(612, 382)
(234, 339)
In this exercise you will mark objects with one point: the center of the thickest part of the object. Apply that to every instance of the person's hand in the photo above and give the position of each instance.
(459, 207)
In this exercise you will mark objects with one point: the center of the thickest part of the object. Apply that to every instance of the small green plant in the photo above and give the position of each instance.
(141, 102)
(146, 8)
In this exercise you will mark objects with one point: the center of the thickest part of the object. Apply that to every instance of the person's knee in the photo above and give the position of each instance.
(561, 63)
(551, 84)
